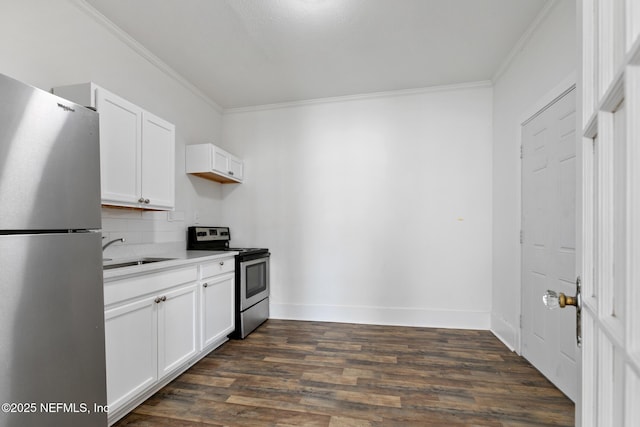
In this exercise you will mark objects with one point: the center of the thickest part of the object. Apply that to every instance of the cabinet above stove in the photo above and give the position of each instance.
(212, 162)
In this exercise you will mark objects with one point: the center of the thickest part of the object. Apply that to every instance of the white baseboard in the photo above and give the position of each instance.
(504, 331)
(383, 316)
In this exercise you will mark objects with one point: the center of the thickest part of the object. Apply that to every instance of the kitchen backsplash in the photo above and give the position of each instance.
(144, 231)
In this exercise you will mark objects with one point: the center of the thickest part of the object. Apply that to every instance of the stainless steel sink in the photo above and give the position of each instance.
(140, 261)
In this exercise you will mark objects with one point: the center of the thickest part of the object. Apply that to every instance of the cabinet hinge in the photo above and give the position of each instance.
(521, 237)
(521, 151)
(521, 321)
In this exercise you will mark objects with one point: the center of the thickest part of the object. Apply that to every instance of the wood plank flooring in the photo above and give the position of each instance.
(291, 373)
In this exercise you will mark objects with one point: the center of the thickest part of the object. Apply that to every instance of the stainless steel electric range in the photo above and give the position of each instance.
(252, 276)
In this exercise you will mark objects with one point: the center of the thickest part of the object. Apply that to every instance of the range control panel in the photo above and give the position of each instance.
(208, 234)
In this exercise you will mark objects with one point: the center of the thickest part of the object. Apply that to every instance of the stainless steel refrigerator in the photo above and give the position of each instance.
(52, 357)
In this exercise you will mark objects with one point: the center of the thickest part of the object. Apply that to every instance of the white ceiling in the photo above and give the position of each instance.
(254, 52)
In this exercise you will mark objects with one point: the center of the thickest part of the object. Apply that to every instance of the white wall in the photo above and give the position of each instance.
(360, 201)
(49, 43)
(546, 60)
(376, 210)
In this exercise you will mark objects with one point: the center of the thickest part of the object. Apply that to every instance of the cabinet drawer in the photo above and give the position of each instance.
(217, 267)
(144, 284)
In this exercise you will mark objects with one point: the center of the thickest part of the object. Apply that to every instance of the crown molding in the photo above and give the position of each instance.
(524, 39)
(360, 97)
(144, 52)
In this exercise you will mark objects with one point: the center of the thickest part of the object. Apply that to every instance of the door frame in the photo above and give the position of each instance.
(565, 86)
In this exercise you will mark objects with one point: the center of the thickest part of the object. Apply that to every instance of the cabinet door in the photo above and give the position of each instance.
(220, 160)
(177, 328)
(217, 299)
(158, 162)
(131, 345)
(120, 149)
(227, 164)
(236, 169)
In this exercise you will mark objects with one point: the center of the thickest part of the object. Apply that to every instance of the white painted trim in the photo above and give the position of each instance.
(633, 225)
(562, 88)
(586, 44)
(359, 97)
(633, 57)
(504, 331)
(548, 99)
(614, 95)
(524, 39)
(396, 316)
(143, 51)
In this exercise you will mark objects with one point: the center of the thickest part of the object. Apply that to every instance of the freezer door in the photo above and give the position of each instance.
(52, 349)
(49, 161)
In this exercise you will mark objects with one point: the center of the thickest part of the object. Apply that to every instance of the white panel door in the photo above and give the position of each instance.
(611, 370)
(158, 162)
(548, 241)
(610, 212)
(120, 149)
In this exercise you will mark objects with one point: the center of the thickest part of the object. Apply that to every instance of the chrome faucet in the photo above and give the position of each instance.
(106, 245)
(109, 243)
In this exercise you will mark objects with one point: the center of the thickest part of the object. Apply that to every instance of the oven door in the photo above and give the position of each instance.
(254, 281)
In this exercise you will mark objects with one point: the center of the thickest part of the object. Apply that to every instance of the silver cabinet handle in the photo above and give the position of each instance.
(157, 300)
(140, 200)
(221, 262)
(164, 298)
(205, 285)
(230, 172)
(146, 201)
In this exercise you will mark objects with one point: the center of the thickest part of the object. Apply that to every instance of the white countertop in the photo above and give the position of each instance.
(178, 259)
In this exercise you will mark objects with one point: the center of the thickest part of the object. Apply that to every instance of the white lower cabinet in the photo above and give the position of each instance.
(147, 339)
(217, 302)
(159, 323)
(131, 350)
(177, 328)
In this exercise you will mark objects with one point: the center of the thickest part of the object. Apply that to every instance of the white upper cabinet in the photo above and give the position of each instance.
(212, 162)
(158, 162)
(120, 148)
(137, 150)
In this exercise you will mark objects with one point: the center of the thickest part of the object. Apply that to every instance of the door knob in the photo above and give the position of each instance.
(553, 300)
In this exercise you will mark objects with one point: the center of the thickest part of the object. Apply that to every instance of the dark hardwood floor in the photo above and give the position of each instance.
(290, 373)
